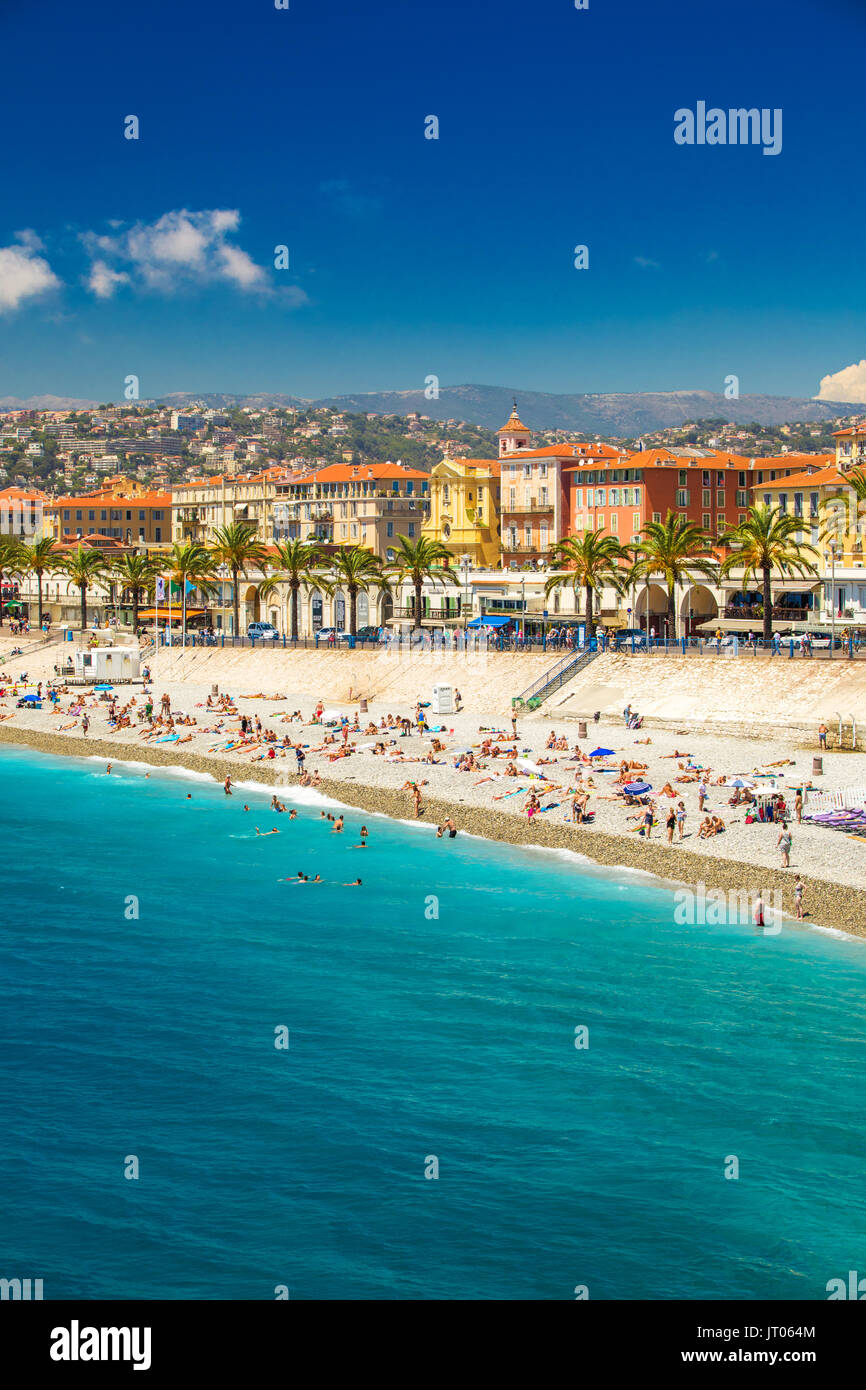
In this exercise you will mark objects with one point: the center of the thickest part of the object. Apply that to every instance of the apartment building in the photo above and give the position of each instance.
(143, 519)
(202, 505)
(353, 504)
(22, 513)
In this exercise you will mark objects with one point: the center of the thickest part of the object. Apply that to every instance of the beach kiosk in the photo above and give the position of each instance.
(107, 664)
(443, 699)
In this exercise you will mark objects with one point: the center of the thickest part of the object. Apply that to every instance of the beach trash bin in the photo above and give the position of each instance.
(363, 706)
(581, 728)
(817, 766)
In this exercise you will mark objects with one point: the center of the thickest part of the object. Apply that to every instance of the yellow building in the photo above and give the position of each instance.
(464, 509)
(834, 524)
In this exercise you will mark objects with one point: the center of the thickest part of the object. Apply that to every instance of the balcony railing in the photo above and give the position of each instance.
(521, 508)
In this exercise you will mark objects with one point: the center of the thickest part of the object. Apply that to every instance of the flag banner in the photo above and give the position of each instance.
(160, 590)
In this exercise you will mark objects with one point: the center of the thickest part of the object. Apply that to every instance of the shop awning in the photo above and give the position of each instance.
(488, 621)
(149, 615)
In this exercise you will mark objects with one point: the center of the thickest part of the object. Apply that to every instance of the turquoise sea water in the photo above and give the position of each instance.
(410, 1036)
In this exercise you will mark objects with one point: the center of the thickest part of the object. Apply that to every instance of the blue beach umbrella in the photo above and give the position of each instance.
(637, 788)
(103, 687)
(601, 752)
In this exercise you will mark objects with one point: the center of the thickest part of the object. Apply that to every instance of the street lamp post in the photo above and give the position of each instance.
(465, 562)
(832, 545)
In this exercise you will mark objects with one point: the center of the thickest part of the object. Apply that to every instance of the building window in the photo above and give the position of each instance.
(720, 497)
(798, 504)
(411, 529)
(158, 533)
(614, 497)
(600, 497)
(657, 516)
(614, 521)
(742, 498)
(783, 502)
(705, 480)
(684, 477)
(707, 521)
(682, 497)
(705, 496)
(389, 529)
(635, 521)
(720, 480)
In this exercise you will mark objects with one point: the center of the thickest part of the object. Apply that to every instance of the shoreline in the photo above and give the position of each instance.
(829, 905)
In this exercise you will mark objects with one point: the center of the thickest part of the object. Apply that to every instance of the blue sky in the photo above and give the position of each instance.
(261, 127)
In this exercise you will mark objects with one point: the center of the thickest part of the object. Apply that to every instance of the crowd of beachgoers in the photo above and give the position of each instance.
(736, 800)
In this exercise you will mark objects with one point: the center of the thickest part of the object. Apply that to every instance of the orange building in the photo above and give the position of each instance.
(141, 520)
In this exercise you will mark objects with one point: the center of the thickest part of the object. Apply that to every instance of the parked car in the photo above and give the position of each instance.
(369, 633)
(265, 630)
(820, 640)
(329, 634)
(624, 636)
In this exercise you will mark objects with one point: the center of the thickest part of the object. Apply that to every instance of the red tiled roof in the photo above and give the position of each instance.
(823, 475)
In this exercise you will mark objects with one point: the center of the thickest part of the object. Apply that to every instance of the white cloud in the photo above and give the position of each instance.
(847, 385)
(179, 250)
(646, 264)
(103, 281)
(23, 274)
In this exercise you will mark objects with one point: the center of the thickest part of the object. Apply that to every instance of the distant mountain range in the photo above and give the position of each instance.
(624, 414)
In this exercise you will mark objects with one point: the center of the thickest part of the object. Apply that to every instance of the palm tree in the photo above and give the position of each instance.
(40, 559)
(11, 562)
(357, 570)
(296, 561)
(83, 567)
(420, 560)
(676, 549)
(767, 541)
(137, 574)
(189, 562)
(238, 547)
(590, 561)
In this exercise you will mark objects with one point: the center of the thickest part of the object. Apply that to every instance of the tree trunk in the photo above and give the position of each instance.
(353, 610)
(39, 589)
(1, 598)
(236, 602)
(295, 586)
(418, 602)
(135, 593)
(83, 607)
(768, 605)
(590, 621)
(672, 610)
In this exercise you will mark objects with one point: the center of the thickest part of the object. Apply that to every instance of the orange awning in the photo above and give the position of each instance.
(149, 615)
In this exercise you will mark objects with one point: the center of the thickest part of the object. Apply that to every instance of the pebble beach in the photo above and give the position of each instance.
(831, 864)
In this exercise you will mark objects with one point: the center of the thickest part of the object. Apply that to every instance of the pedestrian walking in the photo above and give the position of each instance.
(784, 844)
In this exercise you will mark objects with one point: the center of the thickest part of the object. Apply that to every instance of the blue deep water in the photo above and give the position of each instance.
(413, 1037)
